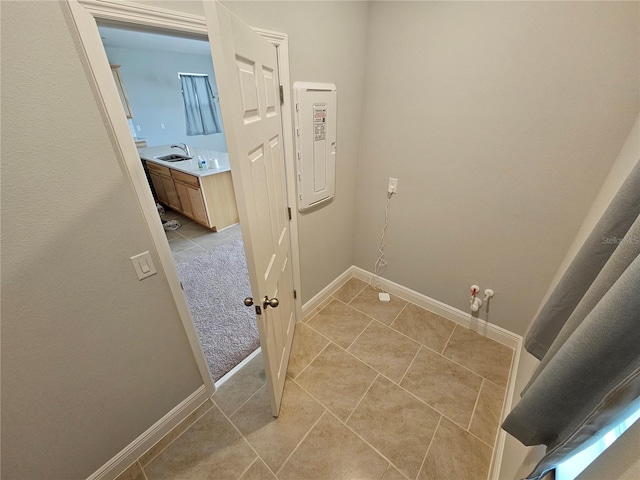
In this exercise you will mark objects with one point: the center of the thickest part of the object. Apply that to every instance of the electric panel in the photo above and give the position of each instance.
(315, 123)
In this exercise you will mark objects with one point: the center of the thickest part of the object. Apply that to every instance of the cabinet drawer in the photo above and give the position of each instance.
(154, 167)
(186, 178)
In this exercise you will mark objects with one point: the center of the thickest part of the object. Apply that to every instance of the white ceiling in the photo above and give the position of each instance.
(116, 37)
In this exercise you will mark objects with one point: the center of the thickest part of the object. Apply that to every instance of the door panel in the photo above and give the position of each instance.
(247, 76)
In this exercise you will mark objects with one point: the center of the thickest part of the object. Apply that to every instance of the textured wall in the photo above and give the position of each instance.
(91, 357)
(501, 121)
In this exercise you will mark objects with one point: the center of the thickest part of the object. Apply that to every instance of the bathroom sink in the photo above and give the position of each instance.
(173, 157)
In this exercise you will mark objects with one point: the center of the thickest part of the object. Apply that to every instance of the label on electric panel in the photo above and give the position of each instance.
(320, 122)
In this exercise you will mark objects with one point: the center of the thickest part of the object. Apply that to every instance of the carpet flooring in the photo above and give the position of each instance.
(215, 284)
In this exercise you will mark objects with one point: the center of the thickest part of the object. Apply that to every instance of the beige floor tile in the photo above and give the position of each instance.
(392, 474)
(332, 452)
(210, 449)
(349, 290)
(258, 471)
(307, 343)
(180, 243)
(447, 387)
(386, 312)
(337, 380)
(484, 356)
(134, 472)
(398, 425)
(211, 239)
(385, 350)
(275, 438)
(317, 309)
(456, 454)
(424, 326)
(188, 255)
(171, 234)
(487, 415)
(340, 323)
(192, 229)
(233, 230)
(237, 390)
(175, 433)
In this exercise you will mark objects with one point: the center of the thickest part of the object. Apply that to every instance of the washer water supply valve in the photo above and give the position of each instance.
(474, 301)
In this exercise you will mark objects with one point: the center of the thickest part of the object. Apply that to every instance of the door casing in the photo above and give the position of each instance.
(84, 14)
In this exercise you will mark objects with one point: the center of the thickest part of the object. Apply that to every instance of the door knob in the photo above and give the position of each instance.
(248, 301)
(270, 302)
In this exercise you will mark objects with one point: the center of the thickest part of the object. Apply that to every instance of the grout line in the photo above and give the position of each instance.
(409, 367)
(264, 385)
(359, 292)
(286, 460)
(245, 439)
(360, 334)
(249, 467)
(362, 398)
(144, 474)
(401, 310)
(172, 441)
(365, 441)
(399, 313)
(307, 365)
(495, 384)
(447, 342)
(475, 405)
(429, 447)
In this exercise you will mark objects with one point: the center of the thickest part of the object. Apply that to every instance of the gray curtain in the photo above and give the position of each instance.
(199, 105)
(587, 337)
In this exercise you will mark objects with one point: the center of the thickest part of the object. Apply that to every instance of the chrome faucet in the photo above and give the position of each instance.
(184, 147)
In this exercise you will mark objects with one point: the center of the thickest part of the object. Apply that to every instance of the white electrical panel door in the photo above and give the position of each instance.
(315, 112)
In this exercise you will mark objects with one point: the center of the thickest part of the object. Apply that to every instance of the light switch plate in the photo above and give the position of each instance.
(143, 265)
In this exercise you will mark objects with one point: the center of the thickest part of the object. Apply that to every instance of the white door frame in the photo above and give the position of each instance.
(84, 14)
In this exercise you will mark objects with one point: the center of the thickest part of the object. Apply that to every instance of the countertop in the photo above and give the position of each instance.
(218, 161)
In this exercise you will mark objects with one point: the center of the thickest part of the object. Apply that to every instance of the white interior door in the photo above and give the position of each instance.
(247, 75)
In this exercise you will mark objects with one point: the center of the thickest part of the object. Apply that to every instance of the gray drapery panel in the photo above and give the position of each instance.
(199, 105)
(586, 266)
(588, 339)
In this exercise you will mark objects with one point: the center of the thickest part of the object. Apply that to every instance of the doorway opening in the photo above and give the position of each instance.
(190, 179)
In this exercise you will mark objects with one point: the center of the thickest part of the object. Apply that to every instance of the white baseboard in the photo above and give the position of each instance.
(482, 327)
(489, 330)
(151, 436)
(326, 292)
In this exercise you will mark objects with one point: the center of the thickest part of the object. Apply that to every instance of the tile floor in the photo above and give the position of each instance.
(385, 391)
(192, 239)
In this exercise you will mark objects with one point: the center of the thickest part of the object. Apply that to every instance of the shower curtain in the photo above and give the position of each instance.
(587, 337)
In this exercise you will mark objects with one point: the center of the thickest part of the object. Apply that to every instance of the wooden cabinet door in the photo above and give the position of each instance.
(181, 190)
(158, 186)
(192, 202)
(198, 209)
(172, 196)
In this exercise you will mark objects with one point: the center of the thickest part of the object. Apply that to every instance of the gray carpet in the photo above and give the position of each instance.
(215, 284)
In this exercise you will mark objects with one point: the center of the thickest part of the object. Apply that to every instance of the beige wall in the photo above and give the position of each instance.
(91, 357)
(500, 120)
(327, 42)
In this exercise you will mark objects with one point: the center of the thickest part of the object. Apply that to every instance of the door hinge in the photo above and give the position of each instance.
(295, 294)
(281, 95)
(289, 212)
(258, 310)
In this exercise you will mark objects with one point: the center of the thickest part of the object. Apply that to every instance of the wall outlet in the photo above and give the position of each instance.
(393, 185)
